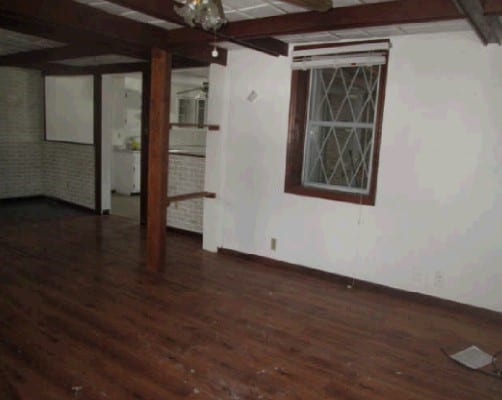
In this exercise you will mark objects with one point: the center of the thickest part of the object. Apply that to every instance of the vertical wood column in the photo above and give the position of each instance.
(145, 116)
(158, 142)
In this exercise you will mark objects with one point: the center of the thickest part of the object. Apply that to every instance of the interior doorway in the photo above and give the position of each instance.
(121, 131)
(123, 190)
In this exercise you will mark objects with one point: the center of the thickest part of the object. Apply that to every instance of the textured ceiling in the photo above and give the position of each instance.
(13, 42)
(379, 31)
(235, 10)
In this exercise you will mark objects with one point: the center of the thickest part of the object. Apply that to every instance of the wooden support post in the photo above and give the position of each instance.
(145, 116)
(158, 143)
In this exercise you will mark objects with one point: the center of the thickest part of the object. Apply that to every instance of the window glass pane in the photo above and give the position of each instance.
(339, 157)
(339, 139)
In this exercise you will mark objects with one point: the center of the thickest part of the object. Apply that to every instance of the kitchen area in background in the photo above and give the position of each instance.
(121, 131)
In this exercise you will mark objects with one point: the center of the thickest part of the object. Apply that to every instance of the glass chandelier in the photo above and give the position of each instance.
(206, 13)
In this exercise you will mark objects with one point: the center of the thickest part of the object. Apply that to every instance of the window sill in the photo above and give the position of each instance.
(368, 200)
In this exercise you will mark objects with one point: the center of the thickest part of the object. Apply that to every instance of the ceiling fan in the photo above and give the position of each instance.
(209, 14)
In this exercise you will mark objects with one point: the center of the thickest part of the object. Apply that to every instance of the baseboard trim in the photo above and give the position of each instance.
(421, 298)
(184, 232)
(50, 198)
(70, 204)
(22, 198)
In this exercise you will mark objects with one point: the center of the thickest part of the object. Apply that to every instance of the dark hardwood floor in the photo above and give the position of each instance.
(79, 318)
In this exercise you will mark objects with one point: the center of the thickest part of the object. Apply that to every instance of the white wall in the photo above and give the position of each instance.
(435, 228)
(186, 175)
(21, 133)
(28, 165)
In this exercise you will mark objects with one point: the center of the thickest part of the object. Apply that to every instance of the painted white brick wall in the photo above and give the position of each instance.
(69, 172)
(186, 175)
(28, 165)
(21, 133)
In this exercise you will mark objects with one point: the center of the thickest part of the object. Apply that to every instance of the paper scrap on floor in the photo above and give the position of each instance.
(472, 357)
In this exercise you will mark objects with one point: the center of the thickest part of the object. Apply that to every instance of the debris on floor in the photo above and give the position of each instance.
(476, 359)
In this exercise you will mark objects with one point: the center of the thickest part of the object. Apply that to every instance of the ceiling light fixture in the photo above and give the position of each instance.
(206, 13)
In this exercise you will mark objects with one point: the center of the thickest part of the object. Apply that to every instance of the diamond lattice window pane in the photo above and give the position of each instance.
(339, 142)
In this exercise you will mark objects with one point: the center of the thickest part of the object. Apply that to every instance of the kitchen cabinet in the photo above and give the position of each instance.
(126, 171)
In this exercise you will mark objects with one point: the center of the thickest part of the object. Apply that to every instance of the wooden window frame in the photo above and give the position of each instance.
(298, 109)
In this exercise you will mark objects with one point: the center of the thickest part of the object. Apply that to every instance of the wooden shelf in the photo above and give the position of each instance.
(190, 196)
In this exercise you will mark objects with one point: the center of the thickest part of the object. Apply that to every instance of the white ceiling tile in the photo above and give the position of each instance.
(389, 30)
(239, 4)
(140, 17)
(351, 34)
(236, 16)
(346, 3)
(381, 31)
(14, 42)
(444, 26)
(110, 8)
(262, 11)
(289, 8)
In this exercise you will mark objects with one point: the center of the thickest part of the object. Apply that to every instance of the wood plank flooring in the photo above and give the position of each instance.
(80, 318)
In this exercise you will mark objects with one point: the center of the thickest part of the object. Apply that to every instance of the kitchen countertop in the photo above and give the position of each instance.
(194, 151)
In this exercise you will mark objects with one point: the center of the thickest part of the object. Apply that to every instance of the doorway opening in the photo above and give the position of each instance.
(122, 124)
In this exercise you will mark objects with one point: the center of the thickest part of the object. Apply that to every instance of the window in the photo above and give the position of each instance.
(192, 111)
(335, 122)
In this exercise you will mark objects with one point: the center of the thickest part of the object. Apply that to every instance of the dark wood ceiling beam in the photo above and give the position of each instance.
(57, 34)
(488, 28)
(55, 54)
(203, 53)
(492, 7)
(120, 68)
(52, 68)
(314, 5)
(268, 45)
(164, 9)
(361, 16)
(71, 22)
(62, 35)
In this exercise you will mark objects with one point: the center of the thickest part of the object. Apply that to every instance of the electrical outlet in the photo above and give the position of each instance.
(273, 244)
